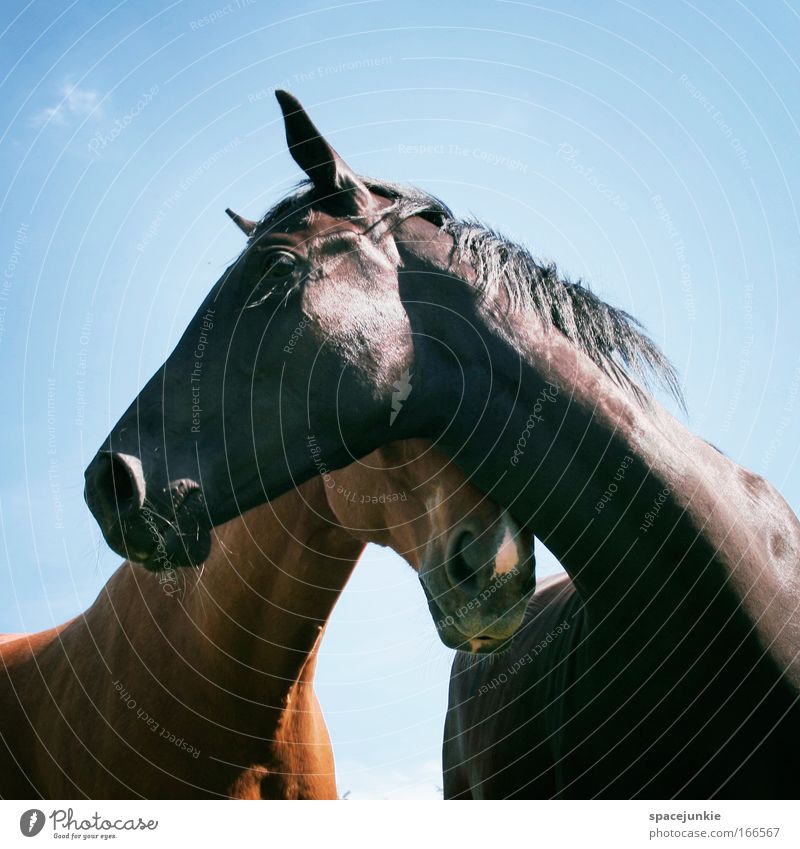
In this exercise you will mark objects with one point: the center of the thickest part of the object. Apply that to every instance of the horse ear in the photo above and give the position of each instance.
(329, 173)
(247, 226)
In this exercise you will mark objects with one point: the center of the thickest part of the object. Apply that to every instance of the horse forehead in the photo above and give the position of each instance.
(299, 226)
(447, 504)
(327, 238)
(345, 246)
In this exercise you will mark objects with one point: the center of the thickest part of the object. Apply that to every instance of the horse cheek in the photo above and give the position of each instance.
(365, 328)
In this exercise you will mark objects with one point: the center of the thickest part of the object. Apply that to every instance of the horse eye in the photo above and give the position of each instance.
(279, 265)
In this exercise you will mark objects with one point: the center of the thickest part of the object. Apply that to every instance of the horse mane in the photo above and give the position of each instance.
(612, 338)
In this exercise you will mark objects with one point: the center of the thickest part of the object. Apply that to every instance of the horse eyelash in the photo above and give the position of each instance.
(293, 287)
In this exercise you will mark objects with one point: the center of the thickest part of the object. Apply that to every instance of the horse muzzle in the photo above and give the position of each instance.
(161, 531)
(477, 594)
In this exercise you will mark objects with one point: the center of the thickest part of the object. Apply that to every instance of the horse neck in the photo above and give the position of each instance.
(646, 517)
(258, 608)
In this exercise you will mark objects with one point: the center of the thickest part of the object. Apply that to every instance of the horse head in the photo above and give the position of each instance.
(475, 564)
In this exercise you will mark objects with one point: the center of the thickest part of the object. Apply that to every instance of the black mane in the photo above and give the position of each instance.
(614, 340)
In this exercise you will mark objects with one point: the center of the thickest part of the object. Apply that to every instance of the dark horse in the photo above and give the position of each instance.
(361, 312)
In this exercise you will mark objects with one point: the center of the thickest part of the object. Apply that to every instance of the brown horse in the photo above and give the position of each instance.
(201, 683)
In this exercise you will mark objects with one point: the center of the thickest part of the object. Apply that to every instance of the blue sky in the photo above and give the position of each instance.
(649, 148)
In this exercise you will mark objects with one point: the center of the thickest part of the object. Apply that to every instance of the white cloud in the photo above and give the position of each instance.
(74, 102)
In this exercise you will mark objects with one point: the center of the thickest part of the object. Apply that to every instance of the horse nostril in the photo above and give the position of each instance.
(116, 483)
(464, 561)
